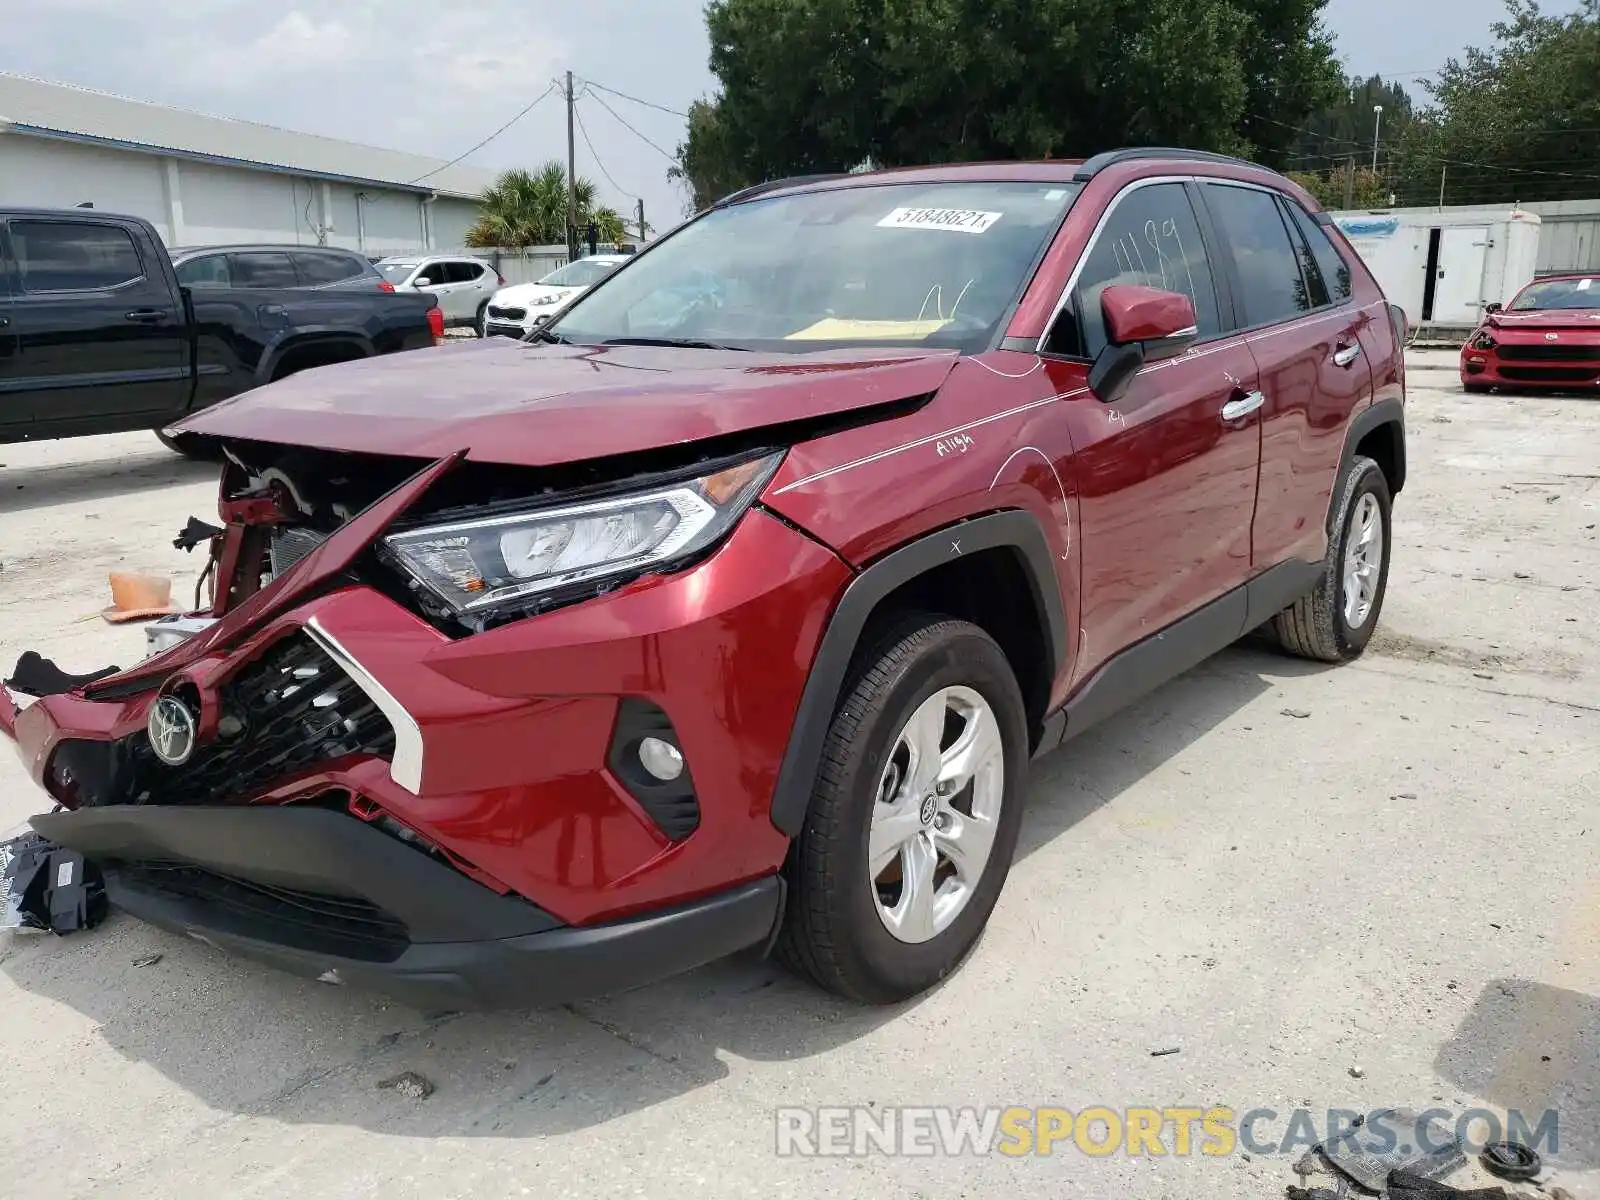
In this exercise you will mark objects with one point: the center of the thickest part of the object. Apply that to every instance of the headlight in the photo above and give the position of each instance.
(540, 301)
(477, 566)
(1484, 340)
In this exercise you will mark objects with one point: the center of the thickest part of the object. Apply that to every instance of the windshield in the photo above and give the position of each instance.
(1560, 293)
(927, 264)
(583, 273)
(396, 272)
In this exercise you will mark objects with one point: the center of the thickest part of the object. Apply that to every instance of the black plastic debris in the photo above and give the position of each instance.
(48, 887)
(36, 675)
(195, 533)
(1428, 1152)
(1403, 1185)
(1511, 1160)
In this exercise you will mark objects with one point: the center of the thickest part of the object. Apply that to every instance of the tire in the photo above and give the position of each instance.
(1319, 626)
(191, 445)
(482, 322)
(1477, 389)
(834, 931)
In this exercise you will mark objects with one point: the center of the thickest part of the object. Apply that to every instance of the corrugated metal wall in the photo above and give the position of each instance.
(1569, 236)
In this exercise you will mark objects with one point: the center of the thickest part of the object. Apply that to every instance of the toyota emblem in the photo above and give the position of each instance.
(172, 730)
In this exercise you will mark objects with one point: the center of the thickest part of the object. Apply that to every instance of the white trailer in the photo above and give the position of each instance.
(1443, 265)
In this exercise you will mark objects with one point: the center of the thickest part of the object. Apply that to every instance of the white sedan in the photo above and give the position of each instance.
(520, 309)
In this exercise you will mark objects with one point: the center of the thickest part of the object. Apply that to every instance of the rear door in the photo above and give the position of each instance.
(99, 330)
(327, 269)
(1307, 349)
(14, 406)
(1166, 475)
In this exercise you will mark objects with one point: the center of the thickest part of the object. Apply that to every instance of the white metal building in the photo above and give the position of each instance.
(205, 180)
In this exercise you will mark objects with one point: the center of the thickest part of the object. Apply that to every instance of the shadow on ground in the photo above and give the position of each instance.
(245, 1039)
(47, 484)
(1535, 1049)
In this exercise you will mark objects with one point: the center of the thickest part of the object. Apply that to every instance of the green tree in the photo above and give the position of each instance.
(523, 208)
(1343, 132)
(822, 85)
(1345, 187)
(1517, 121)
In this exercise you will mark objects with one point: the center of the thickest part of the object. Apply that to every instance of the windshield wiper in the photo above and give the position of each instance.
(680, 343)
(546, 335)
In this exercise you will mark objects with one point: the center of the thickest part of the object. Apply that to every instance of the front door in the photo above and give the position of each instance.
(1458, 280)
(1166, 476)
(99, 330)
(14, 407)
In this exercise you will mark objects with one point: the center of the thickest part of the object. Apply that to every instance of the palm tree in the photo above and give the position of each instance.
(525, 208)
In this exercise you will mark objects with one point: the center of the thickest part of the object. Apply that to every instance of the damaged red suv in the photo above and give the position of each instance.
(729, 609)
(1547, 337)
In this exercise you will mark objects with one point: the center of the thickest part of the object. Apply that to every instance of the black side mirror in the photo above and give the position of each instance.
(1113, 370)
(1495, 307)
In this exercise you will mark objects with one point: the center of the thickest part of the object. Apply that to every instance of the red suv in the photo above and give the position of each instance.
(1547, 337)
(729, 609)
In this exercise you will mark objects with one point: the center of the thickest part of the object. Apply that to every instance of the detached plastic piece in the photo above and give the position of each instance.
(195, 533)
(1405, 1186)
(48, 887)
(1511, 1160)
(35, 675)
(1371, 1169)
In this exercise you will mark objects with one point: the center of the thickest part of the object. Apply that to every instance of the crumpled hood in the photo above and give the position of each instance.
(522, 295)
(1547, 318)
(539, 404)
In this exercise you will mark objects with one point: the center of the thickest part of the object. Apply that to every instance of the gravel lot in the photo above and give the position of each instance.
(1405, 882)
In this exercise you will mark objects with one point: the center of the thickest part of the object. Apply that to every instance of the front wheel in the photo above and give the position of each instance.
(482, 323)
(914, 818)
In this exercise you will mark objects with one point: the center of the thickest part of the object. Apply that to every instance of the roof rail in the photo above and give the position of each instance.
(1100, 162)
(773, 185)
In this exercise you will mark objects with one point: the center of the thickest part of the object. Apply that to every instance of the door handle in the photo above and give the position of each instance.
(147, 316)
(1345, 355)
(1242, 405)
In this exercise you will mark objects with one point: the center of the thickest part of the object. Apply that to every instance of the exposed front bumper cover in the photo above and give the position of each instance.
(323, 895)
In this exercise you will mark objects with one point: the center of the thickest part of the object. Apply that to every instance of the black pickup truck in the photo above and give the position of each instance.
(97, 335)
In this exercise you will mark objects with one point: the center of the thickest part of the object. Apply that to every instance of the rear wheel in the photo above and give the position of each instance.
(914, 819)
(482, 323)
(1336, 619)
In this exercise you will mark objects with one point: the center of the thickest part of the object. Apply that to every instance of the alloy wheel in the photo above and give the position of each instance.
(1363, 561)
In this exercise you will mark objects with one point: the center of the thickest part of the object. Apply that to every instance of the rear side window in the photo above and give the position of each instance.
(1250, 226)
(210, 270)
(1330, 263)
(1151, 239)
(318, 269)
(64, 256)
(264, 269)
(463, 272)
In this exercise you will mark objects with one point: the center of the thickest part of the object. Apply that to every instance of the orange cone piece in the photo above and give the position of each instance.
(136, 597)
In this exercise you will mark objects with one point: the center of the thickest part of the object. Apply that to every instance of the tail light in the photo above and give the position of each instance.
(436, 324)
(1397, 318)
(385, 286)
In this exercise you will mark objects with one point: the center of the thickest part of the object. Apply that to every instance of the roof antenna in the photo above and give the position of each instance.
(84, 204)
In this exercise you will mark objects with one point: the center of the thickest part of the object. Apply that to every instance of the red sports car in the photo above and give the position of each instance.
(1547, 337)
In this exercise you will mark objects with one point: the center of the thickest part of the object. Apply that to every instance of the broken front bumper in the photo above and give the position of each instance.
(317, 894)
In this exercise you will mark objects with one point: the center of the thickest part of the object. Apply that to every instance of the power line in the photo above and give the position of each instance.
(542, 96)
(595, 154)
(647, 103)
(669, 157)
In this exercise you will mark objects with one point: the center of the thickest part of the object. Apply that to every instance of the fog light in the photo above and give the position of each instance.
(661, 758)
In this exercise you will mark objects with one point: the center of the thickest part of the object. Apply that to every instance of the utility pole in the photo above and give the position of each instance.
(641, 221)
(1377, 124)
(1350, 184)
(1442, 168)
(572, 176)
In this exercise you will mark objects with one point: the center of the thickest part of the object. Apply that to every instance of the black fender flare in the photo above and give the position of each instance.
(276, 351)
(1012, 528)
(1380, 412)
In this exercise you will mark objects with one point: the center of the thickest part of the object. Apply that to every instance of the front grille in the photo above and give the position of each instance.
(1552, 374)
(507, 314)
(346, 926)
(289, 711)
(1551, 353)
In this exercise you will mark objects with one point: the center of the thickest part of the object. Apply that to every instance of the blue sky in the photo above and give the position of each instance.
(436, 78)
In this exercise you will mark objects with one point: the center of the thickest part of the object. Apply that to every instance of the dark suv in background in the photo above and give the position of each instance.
(267, 266)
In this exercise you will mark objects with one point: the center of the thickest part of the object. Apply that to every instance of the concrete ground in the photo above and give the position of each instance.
(1393, 899)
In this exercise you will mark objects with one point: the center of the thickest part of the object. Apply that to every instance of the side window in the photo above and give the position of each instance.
(63, 256)
(464, 272)
(318, 269)
(1153, 239)
(1268, 268)
(210, 270)
(1316, 289)
(1335, 271)
(264, 269)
